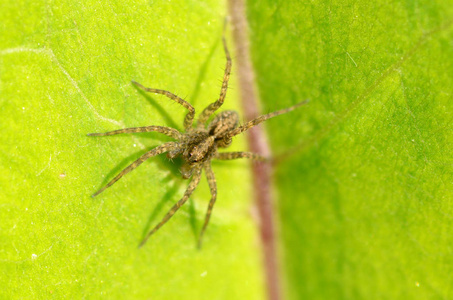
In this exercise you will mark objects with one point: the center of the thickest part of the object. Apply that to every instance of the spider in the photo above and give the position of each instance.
(197, 145)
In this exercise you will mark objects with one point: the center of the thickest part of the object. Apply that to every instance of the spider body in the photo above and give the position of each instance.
(200, 145)
(196, 145)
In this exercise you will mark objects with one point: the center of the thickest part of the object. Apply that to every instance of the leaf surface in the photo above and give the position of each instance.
(65, 71)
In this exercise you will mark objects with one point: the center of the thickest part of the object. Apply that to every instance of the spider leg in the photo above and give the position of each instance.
(193, 184)
(156, 151)
(188, 120)
(213, 188)
(262, 118)
(171, 132)
(208, 111)
(236, 155)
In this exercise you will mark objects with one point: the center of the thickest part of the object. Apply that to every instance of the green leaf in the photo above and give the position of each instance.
(65, 71)
(366, 194)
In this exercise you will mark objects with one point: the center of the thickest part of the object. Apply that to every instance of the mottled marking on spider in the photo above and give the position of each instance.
(197, 145)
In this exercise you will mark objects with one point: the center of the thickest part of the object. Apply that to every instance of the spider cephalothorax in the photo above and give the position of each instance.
(197, 145)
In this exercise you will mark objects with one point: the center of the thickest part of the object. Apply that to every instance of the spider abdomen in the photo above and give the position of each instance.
(225, 121)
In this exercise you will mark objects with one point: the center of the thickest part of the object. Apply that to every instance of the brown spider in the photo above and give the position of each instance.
(197, 146)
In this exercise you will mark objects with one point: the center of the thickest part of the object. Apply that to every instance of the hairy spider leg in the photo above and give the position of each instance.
(192, 185)
(236, 155)
(213, 188)
(156, 151)
(188, 120)
(211, 108)
(262, 118)
(168, 131)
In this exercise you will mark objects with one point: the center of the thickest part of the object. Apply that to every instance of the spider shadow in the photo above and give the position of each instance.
(160, 160)
(195, 93)
(159, 108)
(202, 72)
(163, 163)
(174, 166)
(170, 194)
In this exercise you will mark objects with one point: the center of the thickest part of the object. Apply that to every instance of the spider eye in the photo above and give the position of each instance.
(194, 158)
(193, 155)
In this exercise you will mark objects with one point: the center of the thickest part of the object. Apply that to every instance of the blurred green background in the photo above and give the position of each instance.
(364, 186)
(366, 199)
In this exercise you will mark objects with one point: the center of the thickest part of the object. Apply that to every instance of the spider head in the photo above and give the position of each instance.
(200, 151)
